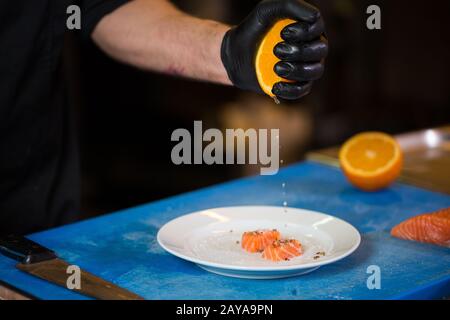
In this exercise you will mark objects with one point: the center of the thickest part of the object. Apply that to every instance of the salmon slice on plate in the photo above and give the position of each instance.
(430, 227)
(257, 241)
(283, 250)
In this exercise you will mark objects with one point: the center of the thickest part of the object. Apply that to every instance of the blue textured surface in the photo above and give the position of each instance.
(122, 247)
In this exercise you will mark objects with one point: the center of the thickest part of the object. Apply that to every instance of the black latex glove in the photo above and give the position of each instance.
(302, 53)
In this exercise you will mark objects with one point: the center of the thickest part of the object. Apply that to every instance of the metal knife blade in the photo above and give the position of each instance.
(43, 263)
(55, 271)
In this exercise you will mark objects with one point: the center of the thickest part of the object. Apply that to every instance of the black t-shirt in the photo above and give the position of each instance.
(39, 170)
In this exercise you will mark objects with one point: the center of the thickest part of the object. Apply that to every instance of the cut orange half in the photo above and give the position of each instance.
(266, 60)
(371, 161)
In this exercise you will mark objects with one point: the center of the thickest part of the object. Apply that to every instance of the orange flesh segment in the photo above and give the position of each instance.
(371, 161)
(370, 154)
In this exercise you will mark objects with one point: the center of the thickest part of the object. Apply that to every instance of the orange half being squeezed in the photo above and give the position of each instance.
(266, 60)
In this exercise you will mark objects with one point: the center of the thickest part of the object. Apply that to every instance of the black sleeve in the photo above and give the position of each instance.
(92, 11)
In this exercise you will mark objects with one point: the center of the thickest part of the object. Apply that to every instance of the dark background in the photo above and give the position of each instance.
(395, 80)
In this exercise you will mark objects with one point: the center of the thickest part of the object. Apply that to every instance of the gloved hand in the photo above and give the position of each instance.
(302, 53)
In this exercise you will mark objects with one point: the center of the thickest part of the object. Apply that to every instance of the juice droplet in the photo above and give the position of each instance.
(276, 100)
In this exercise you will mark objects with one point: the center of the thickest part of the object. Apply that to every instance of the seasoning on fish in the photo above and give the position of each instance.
(257, 241)
(283, 250)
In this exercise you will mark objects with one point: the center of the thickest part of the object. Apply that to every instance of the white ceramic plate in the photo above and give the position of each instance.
(210, 239)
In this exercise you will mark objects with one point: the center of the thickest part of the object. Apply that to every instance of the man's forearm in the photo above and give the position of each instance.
(154, 35)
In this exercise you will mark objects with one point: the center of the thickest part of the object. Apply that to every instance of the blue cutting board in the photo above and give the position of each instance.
(122, 247)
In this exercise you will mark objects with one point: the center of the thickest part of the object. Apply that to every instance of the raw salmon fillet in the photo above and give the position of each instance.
(430, 227)
(257, 241)
(283, 250)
